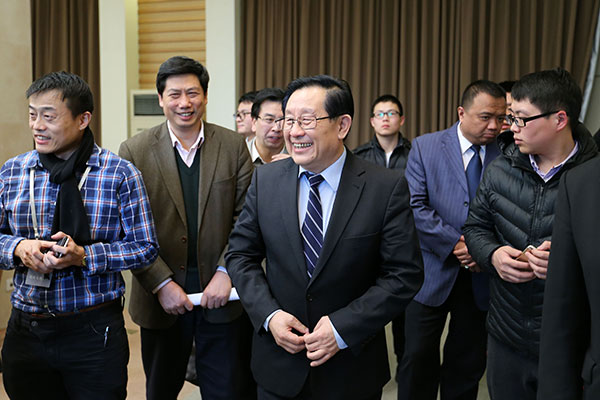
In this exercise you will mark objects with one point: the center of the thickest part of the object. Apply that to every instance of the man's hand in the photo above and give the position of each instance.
(173, 299)
(216, 293)
(462, 254)
(72, 254)
(509, 268)
(280, 156)
(538, 259)
(281, 325)
(31, 253)
(321, 344)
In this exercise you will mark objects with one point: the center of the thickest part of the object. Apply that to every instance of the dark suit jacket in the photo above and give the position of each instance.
(570, 338)
(225, 172)
(440, 201)
(369, 269)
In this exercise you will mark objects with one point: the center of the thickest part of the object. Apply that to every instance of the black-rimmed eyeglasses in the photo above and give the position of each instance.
(522, 122)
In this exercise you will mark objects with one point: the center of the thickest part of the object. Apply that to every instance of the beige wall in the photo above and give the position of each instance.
(15, 47)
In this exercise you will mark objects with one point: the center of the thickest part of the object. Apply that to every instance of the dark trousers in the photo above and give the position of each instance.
(510, 375)
(398, 338)
(305, 394)
(66, 357)
(222, 365)
(464, 351)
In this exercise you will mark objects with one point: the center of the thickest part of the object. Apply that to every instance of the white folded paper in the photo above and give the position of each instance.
(195, 298)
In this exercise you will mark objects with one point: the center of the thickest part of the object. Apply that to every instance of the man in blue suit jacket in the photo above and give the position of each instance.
(437, 173)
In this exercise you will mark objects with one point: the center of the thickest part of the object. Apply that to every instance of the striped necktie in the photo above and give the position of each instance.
(312, 228)
(473, 171)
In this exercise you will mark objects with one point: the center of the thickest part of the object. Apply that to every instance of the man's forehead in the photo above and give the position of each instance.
(523, 106)
(245, 105)
(50, 99)
(484, 101)
(386, 105)
(182, 82)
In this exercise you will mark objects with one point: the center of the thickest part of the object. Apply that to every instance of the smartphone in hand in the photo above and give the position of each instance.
(523, 255)
(62, 242)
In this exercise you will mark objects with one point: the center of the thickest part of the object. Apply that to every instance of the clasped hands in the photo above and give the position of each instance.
(42, 255)
(293, 337)
(504, 259)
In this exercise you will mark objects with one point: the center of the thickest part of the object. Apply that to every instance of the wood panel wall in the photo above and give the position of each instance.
(169, 28)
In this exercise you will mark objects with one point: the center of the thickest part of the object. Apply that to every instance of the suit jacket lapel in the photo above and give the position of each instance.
(167, 166)
(209, 155)
(289, 214)
(451, 148)
(346, 199)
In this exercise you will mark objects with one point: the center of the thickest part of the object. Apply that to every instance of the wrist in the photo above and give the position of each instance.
(83, 257)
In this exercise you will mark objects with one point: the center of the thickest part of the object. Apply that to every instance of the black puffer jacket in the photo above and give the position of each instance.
(373, 152)
(515, 207)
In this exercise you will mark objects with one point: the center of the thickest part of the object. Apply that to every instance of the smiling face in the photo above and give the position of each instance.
(482, 119)
(55, 130)
(183, 102)
(387, 126)
(318, 148)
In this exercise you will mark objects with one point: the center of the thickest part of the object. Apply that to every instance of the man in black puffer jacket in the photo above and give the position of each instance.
(514, 209)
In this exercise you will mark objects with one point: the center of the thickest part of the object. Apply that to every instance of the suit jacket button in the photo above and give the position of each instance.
(182, 267)
(466, 204)
(309, 297)
(183, 239)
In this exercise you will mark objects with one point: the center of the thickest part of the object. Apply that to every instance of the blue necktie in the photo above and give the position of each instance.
(312, 228)
(474, 171)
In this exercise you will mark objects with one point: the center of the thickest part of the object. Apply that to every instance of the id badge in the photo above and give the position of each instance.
(38, 279)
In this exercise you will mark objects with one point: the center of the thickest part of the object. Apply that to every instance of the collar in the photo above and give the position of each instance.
(177, 143)
(33, 161)
(333, 173)
(552, 170)
(465, 144)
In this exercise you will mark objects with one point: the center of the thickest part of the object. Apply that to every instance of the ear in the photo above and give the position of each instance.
(372, 120)
(461, 113)
(562, 120)
(402, 120)
(345, 122)
(254, 121)
(84, 120)
(160, 100)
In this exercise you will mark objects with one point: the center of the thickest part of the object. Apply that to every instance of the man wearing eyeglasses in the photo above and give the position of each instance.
(243, 119)
(443, 171)
(388, 147)
(509, 228)
(267, 123)
(342, 255)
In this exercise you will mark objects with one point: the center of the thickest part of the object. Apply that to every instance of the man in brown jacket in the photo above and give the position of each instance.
(196, 174)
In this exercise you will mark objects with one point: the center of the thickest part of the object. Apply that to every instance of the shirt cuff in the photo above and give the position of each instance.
(340, 342)
(161, 285)
(266, 324)
(222, 269)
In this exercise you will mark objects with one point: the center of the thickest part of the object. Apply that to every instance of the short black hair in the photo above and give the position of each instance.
(385, 99)
(480, 86)
(75, 91)
(507, 85)
(181, 65)
(551, 90)
(247, 97)
(268, 94)
(339, 99)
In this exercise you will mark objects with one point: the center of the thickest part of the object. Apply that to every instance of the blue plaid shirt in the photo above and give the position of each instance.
(121, 227)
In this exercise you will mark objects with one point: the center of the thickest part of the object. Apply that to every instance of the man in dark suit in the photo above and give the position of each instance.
(196, 174)
(342, 256)
(569, 347)
(438, 172)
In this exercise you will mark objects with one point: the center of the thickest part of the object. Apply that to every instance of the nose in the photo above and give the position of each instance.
(37, 124)
(184, 100)
(494, 124)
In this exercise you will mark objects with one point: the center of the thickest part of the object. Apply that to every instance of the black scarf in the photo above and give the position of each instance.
(69, 215)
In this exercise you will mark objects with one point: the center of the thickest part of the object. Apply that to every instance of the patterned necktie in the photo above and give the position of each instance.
(312, 228)
(474, 171)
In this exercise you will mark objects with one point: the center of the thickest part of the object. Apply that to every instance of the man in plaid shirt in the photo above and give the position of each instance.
(72, 217)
